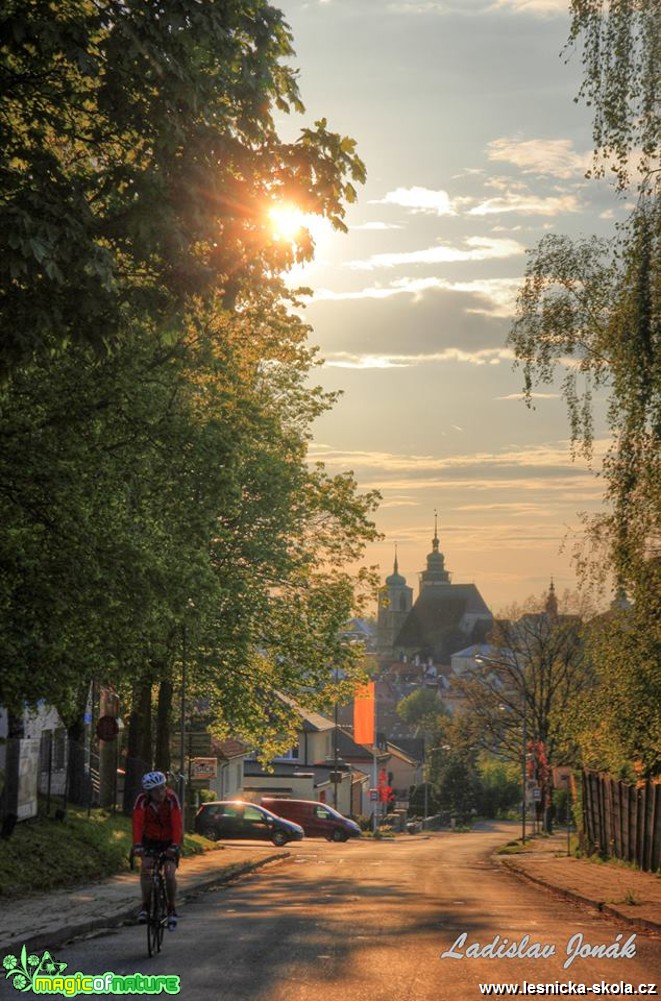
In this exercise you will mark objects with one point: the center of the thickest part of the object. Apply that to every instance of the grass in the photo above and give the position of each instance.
(45, 854)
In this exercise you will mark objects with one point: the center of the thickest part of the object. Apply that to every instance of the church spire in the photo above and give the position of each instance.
(551, 602)
(395, 564)
(435, 572)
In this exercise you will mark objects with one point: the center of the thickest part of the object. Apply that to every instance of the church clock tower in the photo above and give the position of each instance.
(395, 600)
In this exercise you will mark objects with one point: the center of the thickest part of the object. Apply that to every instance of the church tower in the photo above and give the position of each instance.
(435, 573)
(551, 606)
(395, 600)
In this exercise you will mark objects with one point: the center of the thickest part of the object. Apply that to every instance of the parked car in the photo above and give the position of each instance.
(228, 821)
(318, 820)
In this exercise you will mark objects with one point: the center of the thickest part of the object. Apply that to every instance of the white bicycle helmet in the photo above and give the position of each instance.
(152, 780)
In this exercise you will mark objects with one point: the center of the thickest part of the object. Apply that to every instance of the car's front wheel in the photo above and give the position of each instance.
(279, 838)
(339, 835)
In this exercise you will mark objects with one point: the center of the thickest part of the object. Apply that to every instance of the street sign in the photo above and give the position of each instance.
(203, 768)
(107, 728)
(374, 795)
(537, 795)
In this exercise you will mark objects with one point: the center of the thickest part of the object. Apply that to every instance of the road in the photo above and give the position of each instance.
(370, 921)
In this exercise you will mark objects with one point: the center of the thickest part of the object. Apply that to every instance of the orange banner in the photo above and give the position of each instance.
(363, 715)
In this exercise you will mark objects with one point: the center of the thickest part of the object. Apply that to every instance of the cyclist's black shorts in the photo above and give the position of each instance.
(158, 846)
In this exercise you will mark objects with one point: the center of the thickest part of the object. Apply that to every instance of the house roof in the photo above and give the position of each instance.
(312, 722)
(230, 748)
(397, 752)
(351, 751)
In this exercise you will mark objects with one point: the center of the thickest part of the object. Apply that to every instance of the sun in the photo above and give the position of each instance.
(287, 221)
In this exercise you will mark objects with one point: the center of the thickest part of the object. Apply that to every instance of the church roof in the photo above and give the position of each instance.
(432, 627)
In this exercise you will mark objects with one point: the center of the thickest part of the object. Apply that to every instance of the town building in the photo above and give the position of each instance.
(444, 618)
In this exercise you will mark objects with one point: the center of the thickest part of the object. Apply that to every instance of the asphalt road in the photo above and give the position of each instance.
(370, 921)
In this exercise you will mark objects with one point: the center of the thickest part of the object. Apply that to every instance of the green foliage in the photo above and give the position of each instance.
(423, 710)
(618, 727)
(46, 854)
(621, 57)
(167, 487)
(499, 790)
(458, 784)
(591, 309)
(140, 159)
(157, 406)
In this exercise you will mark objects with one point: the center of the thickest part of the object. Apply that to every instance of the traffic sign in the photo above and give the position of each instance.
(107, 728)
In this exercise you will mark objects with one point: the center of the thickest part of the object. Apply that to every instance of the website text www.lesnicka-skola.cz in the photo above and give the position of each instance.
(603, 988)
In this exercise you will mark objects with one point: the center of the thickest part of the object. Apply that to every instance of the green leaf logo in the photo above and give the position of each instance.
(22, 970)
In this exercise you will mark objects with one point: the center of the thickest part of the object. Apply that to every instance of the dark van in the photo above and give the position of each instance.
(318, 820)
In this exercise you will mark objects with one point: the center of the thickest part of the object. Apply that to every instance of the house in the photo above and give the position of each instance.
(403, 772)
(307, 769)
(231, 755)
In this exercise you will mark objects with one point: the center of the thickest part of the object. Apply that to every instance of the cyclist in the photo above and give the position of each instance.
(157, 825)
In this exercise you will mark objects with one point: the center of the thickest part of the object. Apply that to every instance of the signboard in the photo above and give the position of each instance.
(107, 728)
(28, 774)
(203, 768)
(197, 744)
(374, 795)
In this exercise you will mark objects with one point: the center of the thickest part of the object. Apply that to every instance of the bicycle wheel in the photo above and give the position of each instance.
(158, 913)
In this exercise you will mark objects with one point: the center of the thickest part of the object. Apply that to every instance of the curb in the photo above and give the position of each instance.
(643, 924)
(124, 914)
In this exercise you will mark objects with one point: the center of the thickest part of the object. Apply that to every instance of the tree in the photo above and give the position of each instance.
(518, 697)
(617, 724)
(140, 159)
(167, 487)
(621, 56)
(592, 309)
(425, 713)
(155, 410)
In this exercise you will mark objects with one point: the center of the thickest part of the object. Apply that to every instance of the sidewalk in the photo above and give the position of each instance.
(627, 894)
(48, 920)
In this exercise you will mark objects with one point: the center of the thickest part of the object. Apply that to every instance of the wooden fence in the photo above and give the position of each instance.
(623, 821)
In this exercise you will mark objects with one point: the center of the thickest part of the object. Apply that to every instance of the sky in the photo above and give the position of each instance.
(464, 113)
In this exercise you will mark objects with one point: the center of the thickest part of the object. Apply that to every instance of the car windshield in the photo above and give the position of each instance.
(329, 809)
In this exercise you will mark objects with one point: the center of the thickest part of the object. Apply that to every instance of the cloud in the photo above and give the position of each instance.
(419, 200)
(377, 226)
(533, 396)
(514, 462)
(497, 294)
(473, 7)
(531, 6)
(527, 204)
(483, 356)
(480, 248)
(553, 157)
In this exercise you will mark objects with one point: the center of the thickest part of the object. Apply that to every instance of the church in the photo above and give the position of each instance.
(443, 619)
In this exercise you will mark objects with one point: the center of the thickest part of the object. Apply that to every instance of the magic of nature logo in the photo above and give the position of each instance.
(45, 975)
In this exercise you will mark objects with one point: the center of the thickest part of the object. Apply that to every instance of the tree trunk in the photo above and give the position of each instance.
(163, 726)
(9, 799)
(78, 779)
(139, 753)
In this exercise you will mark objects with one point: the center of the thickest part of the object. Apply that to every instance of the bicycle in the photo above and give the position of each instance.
(157, 911)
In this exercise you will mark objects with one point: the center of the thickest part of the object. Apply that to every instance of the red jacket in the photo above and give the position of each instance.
(158, 821)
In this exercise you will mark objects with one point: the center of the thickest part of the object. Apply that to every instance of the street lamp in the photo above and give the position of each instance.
(428, 764)
(524, 768)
